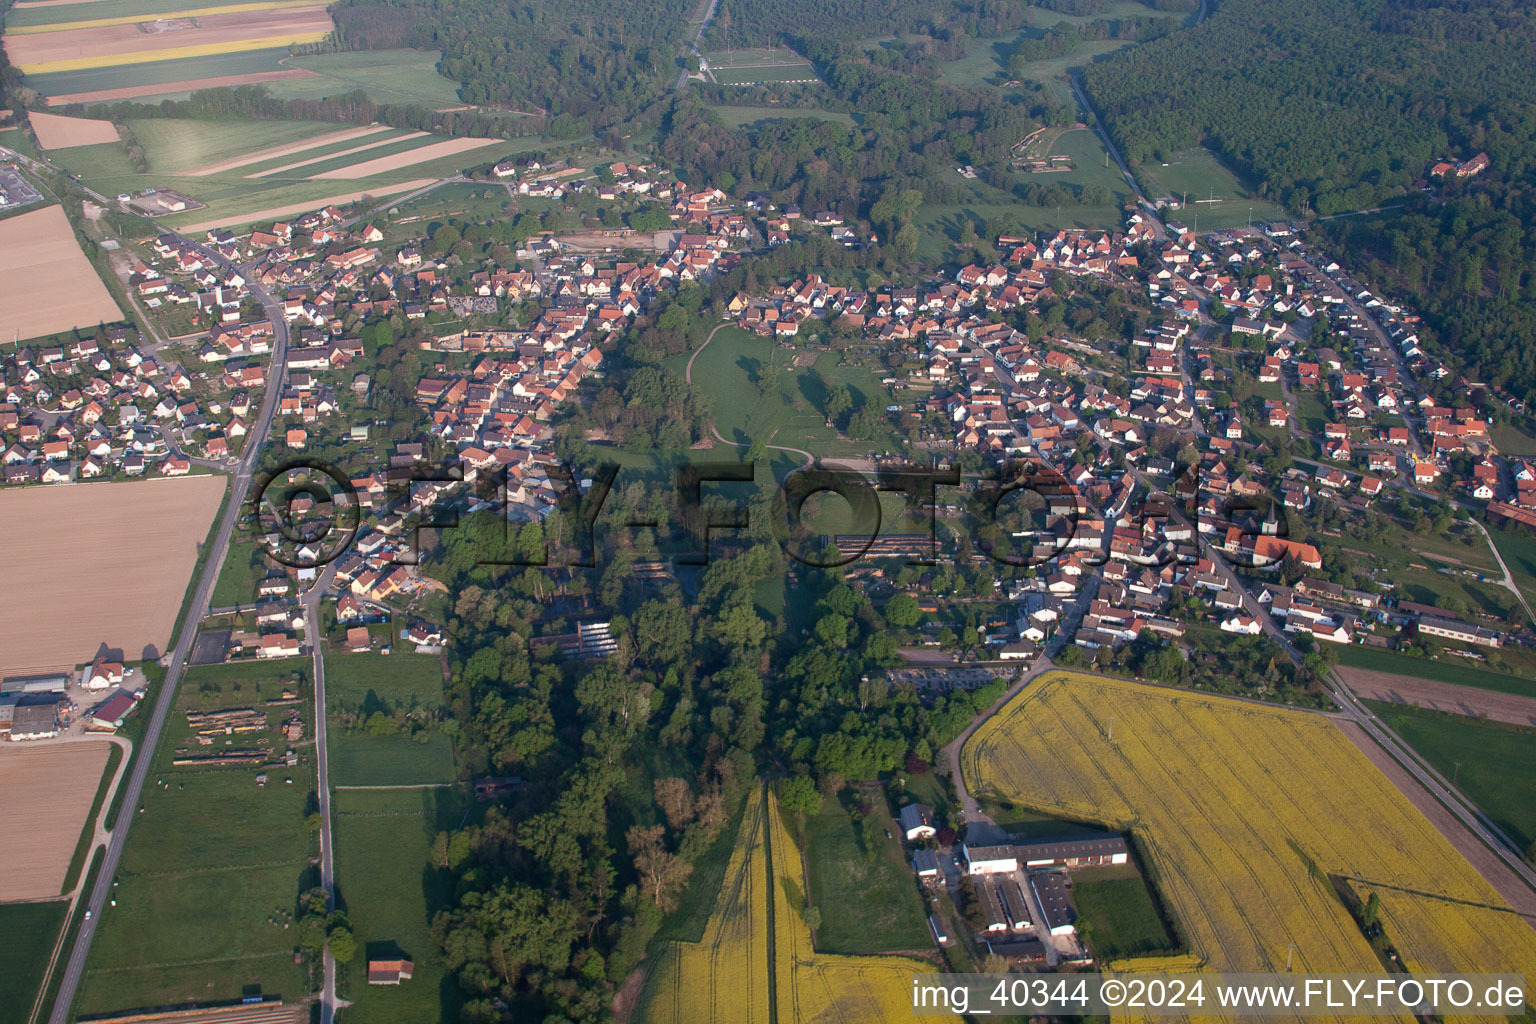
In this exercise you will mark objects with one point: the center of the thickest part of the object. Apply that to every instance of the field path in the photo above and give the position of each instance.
(1488, 863)
(1448, 697)
(1509, 580)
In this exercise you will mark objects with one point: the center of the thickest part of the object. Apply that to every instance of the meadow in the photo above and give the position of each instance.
(757, 915)
(27, 934)
(1242, 812)
(365, 683)
(1492, 763)
(1116, 914)
(213, 865)
(1198, 175)
(861, 883)
(1445, 670)
(390, 890)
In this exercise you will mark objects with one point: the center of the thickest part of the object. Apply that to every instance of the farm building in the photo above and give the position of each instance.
(917, 822)
(989, 860)
(50, 683)
(388, 972)
(1050, 888)
(1024, 951)
(103, 673)
(992, 907)
(109, 714)
(925, 864)
(1073, 851)
(940, 935)
(35, 718)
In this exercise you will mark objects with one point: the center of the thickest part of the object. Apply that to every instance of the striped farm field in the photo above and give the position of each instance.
(67, 23)
(71, 48)
(236, 213)
(316, 160)
(204, 148)
(410, 158)
(166, 74)
(1242, 810)
(726, 976)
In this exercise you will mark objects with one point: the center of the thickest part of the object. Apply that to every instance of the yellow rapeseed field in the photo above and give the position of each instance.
(134, 19)
(173, 53)
(726, 976)
(1231, 801)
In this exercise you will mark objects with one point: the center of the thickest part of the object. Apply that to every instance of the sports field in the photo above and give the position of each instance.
(214, 863)
(101, 563)
(1242, 811)
(726, 976)
(46, 791)
(46, 283)
(760, 65)
(391, 892)
(1212, 192)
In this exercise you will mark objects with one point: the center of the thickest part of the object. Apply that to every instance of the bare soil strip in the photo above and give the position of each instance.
(332, 156)
(46, 286)
(46, 791)
(106, 42)
(292, 147)
(98, 564)
(383, 164)
(1437, 696)
(1488, 863)
(129, 92)
(54, 131)
(279, 212)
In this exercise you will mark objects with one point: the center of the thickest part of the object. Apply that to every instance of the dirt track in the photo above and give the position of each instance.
(98, 563)
(47, 285)
(1437, 696)
(278, 212)
(57, 132)
(1488, 864)
(134, 91)
(380, 165)
(46, 791)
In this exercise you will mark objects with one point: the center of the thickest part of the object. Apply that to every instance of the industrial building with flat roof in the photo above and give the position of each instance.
(1052, 852)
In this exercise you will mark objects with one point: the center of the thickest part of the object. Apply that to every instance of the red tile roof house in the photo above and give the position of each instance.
(388, 972)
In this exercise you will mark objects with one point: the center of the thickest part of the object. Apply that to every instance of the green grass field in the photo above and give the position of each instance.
(940, 225)
(1116, 913)
(860, 882)
(353, 681)
(27, 934)
(1514, 439)
(739, 116)
(358, 759)
(244, 566)
(1446, 669)
(1497, 762)
(765, 75)
(391, 891)
(213, 865)
(1198, 175)
(1518, 550)
(176, 145)
(389, 144)
(737, 373)
(389, 76)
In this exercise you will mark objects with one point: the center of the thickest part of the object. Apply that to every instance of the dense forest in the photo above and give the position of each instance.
(594, 62)
(1327, 104)
(772, 22)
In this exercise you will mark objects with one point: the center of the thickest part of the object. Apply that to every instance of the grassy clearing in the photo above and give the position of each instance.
(390, 892)
(1492, 763)
(1117, 913)
(941, 225)
(861, 884)
(213, 865)
(1199, 175)
(1518, 549)
(358, 759)
(736, 117)
(174, 145)
(27, 934)
(389, 76)
(1513, 439)
(244, 566)
(1446, 670)
(357, 681)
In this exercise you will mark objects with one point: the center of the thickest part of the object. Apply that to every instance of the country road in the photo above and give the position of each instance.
(165, 699)
(311, 602)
